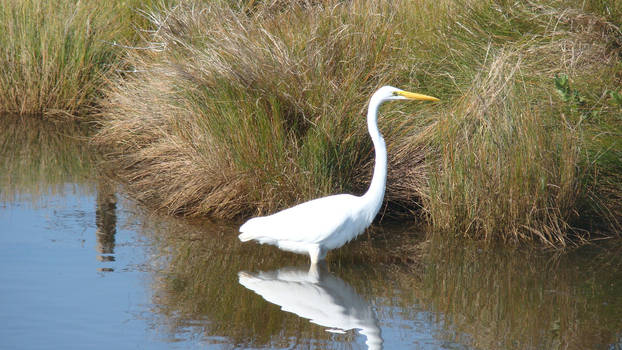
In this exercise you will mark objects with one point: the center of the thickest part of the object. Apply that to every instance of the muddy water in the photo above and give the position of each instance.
(81, 267)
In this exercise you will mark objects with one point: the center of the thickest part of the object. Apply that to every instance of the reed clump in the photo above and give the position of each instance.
(516, 150)
(246, 110)
(56, 55)
(504, 165)
(250, 113)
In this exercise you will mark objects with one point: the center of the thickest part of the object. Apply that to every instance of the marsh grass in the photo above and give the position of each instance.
(512, 157)
(272, 105)
(251, 109)
(504, 165)
(55, 55)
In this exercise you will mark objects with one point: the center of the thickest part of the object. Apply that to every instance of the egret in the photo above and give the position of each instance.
(326, 223)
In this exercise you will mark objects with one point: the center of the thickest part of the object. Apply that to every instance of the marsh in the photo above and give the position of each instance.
(82, 266)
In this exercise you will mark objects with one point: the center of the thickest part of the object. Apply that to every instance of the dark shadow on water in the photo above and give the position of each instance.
(514, 298)
(39, 158)
(106, 222)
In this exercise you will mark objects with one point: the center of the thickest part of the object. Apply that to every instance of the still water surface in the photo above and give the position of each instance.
(83, 268)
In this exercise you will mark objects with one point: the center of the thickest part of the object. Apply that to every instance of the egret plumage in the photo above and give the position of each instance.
(326, 223)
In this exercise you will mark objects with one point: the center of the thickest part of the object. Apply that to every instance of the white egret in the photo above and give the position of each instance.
(326, 223)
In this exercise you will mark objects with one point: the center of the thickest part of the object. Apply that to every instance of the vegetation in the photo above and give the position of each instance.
(264, 111)
(56, 55)
(228, 109)
(249, 110)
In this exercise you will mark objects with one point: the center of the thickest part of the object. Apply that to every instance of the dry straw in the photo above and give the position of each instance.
(248, 110)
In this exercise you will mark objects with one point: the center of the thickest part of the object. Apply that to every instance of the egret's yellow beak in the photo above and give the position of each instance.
(415, 96)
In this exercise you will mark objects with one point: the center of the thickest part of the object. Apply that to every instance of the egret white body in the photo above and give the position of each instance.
(326, 223)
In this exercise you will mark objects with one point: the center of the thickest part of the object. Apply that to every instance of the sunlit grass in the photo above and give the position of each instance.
(249, 111)
(270, 105)
(56, 56)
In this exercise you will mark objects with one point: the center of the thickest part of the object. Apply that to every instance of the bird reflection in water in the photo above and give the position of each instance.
(318, 296)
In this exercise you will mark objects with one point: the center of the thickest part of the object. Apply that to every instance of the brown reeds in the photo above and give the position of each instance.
(55, 55)
(258, 100)
(498, 171)
(248, 110)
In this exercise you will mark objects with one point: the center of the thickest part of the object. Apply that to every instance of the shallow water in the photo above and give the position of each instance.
(83, 268)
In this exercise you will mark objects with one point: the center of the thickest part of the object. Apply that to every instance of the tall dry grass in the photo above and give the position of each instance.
(504, 165)
(254, 112)
(55, 55)
(247, 110)
(514, 157)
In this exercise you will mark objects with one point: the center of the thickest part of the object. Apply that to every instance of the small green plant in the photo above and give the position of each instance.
(567, 94)
(574, 100)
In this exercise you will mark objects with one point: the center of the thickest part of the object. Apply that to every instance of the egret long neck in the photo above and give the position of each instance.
(374, 195)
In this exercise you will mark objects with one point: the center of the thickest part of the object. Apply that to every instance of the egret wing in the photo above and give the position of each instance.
(309, 222)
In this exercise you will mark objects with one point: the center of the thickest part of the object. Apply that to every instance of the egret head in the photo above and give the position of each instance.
(388, 93)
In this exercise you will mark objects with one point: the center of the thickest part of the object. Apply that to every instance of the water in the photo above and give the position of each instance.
(81, 267)
(55, 291)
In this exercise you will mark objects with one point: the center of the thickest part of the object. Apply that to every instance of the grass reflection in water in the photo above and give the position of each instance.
(40, 157)
(473, 296)
(514, 299)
